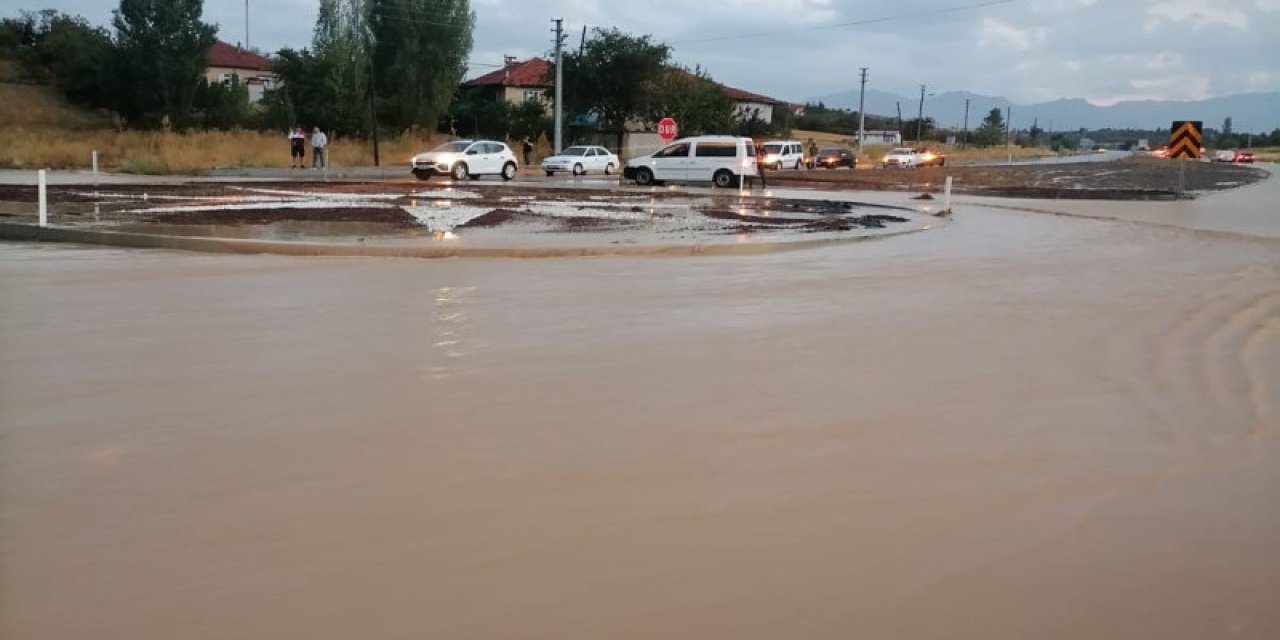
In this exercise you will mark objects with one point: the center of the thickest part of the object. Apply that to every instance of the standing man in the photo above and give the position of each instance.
(526, 145)
(297, 147)
(319, 142)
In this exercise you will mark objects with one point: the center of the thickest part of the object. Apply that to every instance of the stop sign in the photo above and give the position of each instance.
(667, 129)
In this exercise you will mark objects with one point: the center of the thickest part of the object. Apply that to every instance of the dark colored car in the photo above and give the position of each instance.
(834, 158)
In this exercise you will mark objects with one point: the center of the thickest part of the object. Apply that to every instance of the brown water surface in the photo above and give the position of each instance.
(1013, 426)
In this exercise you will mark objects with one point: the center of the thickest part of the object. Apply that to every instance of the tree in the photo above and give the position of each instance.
(418, 56)
(696, 101)
(992, 129)
(159, 58)
(613, 77)
(341, 48)
(63, 50)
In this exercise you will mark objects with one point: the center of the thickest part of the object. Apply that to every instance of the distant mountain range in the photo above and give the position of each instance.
(1249, 112)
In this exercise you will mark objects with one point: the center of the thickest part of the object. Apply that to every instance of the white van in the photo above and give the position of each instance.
(783, 154)
(720, 160)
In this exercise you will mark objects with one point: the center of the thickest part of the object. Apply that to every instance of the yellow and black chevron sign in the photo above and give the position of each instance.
(1185, 139)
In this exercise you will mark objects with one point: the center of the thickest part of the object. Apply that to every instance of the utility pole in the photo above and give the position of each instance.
(898, 103)
(862, 111)
(373, 107)
(559, 106)
(920, 118)
(246, 25)
(1008, 126)
(964, 142)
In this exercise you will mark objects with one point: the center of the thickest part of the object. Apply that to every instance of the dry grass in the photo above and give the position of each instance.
(41, 130)
(161, 152)
(1266, 154)
(872, 154)
(39, 106)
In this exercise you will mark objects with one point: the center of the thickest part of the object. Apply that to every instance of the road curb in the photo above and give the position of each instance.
(33, 233)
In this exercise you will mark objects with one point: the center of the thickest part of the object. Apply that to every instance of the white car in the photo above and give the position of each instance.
(901, 157)
(582, 159)
(783, 154)
(722, 160)
(464, 159)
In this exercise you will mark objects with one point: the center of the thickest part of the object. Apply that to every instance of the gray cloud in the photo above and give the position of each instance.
(1027, 50)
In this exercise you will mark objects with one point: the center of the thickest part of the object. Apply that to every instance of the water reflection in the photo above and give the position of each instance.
(450, 331)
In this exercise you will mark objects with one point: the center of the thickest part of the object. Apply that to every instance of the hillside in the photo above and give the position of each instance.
(1251, 112)
(32, 106)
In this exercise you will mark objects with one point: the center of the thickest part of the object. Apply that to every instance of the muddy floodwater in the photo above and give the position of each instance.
(1013, 426)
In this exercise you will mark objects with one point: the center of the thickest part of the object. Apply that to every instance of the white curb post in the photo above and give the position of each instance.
(95, 163)
(41, 184)
(946, 198)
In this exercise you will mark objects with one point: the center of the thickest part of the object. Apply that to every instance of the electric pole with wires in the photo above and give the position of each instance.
(862, 112)
(558, 111)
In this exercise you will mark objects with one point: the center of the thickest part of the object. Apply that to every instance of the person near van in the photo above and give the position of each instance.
(526, 146)
(297, 147)
(760, 165)
(319, 144)
(813, 152)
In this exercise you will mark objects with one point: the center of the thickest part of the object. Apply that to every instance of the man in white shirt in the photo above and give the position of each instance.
(319, 142)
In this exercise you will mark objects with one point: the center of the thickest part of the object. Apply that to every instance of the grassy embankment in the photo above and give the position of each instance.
(40, 130)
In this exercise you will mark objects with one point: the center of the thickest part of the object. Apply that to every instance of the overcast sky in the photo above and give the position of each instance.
(1026, 50)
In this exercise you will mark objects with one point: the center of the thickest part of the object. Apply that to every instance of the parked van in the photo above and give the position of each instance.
(721, 160)
(783, 154)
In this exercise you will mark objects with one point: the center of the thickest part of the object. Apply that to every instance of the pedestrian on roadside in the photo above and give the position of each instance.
(319, 144)
(526, 145)
(760, 165)
(813, 152)
(297, 147)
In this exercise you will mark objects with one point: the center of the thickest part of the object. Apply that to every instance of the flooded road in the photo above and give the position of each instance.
(1012, 426)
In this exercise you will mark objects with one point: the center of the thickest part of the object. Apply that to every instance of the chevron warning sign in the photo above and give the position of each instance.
(1185, 139)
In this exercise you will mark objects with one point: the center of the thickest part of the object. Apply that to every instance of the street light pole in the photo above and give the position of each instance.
(559, 109)
(920, 118)
(964, 143)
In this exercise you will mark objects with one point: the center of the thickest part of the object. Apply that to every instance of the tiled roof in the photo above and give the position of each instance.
(533, 72)
(746, 96)
(222, 54)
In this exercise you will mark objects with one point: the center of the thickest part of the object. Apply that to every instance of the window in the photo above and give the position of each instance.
(716, 150)
(751, 149)
(575, 151)
(493, 147)
(532, 94)
(229, 78)
(674, 151)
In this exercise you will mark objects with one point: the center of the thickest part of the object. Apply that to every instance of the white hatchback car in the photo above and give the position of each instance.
(582, 159)
(464, 159)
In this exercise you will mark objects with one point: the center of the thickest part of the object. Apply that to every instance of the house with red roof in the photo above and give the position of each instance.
(516, 81)
(532, 79)
(225, 63)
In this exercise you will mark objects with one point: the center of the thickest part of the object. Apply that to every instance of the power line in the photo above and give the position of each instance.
(855, 23)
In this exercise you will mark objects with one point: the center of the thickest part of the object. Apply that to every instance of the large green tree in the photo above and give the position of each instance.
(160, 49)
(419, 51)
(613, 78)
(696, 101)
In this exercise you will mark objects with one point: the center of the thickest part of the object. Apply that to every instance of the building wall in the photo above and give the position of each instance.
(764, 111)
(263, 79)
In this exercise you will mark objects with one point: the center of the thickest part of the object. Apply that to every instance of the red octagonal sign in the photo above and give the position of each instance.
(667, 129)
